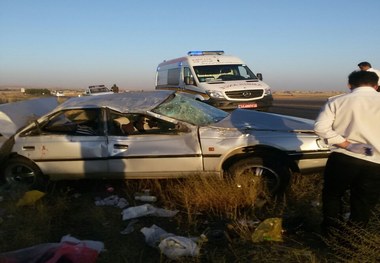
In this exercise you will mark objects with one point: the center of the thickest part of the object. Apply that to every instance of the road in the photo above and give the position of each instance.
(299, 107)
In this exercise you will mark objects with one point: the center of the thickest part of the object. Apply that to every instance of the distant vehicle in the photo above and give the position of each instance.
(220, 80)
(97, 90)
(160, 134)
(59, 94)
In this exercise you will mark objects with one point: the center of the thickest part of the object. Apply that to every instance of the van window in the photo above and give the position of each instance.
(224, 73)
(173, 76)
(188, 76)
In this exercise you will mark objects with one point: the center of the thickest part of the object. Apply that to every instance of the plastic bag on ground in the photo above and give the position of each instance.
(112, 200)
(268, 230)
(30, 198)
(177, 246)
(169, 244)
(69, 250)
(144, 210)
(154, 235)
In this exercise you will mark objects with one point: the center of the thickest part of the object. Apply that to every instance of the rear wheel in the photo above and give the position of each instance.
(20, 171)
(272, 172)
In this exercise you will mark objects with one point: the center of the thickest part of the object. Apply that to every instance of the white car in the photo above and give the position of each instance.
(160, 134)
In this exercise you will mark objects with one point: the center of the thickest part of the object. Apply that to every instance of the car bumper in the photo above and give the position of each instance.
(259, 104)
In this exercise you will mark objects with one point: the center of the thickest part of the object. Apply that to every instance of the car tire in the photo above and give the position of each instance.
(275, 173)
(20, 171)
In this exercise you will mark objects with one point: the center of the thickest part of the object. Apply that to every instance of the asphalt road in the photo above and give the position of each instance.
(299, 107)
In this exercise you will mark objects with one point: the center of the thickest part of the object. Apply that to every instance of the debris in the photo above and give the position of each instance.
(154, 235)
(177, 246)
(30, 198)
(145, 196)
(129, 229)
(70, 249)
(170, 245)
(110, 189)
(144, 210)
(268, 230)
(113, 200)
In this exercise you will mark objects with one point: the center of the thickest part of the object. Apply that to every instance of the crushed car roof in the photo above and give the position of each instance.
(133, 101)
(16, 115)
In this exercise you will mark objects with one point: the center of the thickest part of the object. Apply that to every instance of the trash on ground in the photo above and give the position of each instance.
(30, 198)
(70, 249)
(145, 210)
(130, 227)
(113, 200)
(154, 235)
(145, 196)
(177, 246)
(169, 244)
(268, 230)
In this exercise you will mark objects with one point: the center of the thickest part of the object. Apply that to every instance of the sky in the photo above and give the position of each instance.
(296, 44)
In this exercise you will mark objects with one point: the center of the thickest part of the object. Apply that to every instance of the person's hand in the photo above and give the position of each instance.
(360, 148)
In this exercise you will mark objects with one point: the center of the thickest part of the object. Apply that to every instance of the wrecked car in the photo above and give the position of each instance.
(160, 134)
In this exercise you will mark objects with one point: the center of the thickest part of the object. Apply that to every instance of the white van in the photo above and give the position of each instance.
(220, 80)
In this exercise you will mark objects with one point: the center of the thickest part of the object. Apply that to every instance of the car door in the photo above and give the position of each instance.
(151, 148)
(70, 144)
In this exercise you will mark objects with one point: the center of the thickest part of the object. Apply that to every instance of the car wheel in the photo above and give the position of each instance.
(275, 174)
(23, 172)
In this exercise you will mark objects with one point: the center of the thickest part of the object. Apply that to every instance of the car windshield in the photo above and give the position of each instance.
(224, 73)
(187, 109)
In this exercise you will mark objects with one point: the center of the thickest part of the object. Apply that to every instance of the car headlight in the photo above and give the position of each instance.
(215, 94)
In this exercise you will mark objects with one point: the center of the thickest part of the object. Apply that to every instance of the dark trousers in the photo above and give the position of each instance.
(361, 177)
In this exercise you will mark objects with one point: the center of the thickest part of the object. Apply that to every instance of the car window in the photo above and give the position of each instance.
(138, 124)
(187, 109)
(75, 122)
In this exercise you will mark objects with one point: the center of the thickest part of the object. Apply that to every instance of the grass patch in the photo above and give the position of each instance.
(226, 212)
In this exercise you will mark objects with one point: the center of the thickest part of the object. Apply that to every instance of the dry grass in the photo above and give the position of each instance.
(226, 211)
(216, 197)
(351, 243)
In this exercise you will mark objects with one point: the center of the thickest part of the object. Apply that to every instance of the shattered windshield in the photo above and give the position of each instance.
(224, 73)
(187, 109)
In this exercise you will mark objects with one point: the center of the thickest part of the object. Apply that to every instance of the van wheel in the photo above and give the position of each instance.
(274, 174)
(20, 171)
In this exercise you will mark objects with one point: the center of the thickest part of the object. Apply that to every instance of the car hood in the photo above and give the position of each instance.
(250, 119)
(16, 115)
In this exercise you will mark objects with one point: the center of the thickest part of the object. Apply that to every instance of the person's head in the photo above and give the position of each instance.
(364, 65)
(363, 78)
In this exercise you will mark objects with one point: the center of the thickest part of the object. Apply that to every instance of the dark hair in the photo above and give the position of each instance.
(363, 78)
(364, 64)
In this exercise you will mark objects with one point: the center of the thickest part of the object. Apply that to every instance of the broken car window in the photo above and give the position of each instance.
(187, 109)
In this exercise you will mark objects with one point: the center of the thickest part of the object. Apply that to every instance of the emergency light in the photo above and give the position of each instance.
(200, 53)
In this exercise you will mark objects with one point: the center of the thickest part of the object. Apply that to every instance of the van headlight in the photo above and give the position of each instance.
(267, 92)
(215, 94)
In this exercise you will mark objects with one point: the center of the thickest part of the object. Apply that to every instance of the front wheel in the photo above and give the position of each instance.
(274, 174)
(20, 171)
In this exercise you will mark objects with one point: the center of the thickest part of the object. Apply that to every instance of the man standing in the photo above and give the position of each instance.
(350, 123)
(366, 66)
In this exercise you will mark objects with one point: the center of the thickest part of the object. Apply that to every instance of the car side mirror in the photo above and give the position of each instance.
(259, 76)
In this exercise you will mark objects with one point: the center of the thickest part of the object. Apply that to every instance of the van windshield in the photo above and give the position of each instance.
(224, 73)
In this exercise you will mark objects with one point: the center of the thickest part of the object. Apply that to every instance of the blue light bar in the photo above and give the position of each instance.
(201, 53)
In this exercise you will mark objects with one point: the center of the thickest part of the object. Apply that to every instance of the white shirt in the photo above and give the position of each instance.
(354, 117)
(377, 73)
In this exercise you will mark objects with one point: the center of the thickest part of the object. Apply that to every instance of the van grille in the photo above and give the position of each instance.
(245, 94)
